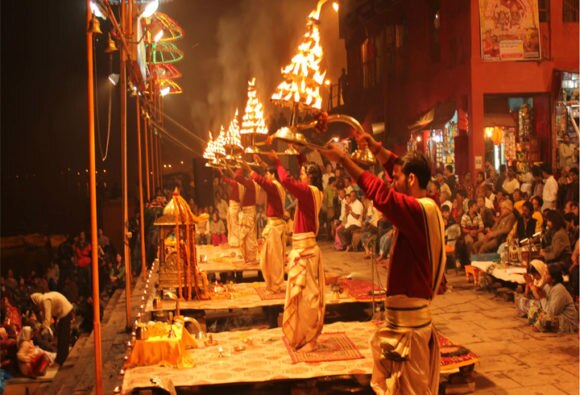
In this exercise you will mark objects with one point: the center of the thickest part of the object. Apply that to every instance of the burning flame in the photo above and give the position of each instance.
(232, 137)
(220, 143)
(302, 77)
(253, 120)
(209, 152)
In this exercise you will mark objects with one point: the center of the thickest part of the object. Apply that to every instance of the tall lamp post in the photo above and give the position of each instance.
(91, 20)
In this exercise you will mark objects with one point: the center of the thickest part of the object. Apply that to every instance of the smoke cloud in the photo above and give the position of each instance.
(255, 38)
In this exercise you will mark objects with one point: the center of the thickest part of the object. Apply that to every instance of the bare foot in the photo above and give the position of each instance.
(308, 347)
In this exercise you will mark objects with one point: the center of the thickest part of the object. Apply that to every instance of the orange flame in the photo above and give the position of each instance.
(209, 152)
(302, 77)
(253, 120)
(232, 137)
(220, 143)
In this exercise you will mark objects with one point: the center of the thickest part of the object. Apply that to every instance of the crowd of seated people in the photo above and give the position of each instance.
(500, 211)
(28, 340)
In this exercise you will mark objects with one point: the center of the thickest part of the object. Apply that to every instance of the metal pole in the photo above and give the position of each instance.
(158, 142)
(93, 204)
(126, 250)
(153, 133)
(147, 171)
(141, 203)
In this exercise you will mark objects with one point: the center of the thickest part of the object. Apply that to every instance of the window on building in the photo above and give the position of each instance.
(570, 11)
(544, 10)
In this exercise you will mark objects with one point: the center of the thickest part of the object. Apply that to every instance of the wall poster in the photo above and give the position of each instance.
(510, 30)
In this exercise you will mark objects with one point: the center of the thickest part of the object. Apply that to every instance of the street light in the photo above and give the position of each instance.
(97, 10)
(158, 35)
(114, 78)
(150, 9)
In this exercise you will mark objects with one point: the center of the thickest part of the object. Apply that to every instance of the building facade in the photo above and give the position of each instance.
(467, 81)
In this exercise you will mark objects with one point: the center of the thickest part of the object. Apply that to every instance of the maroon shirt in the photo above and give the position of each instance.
(305, 218)
(250, 192)
(234, 191)
(274, 207)
(411, 271)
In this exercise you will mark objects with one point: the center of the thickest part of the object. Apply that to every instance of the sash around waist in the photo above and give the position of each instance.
(249, 209)
(403, 312)
(304, 240)
(234, 204)
(276, 221)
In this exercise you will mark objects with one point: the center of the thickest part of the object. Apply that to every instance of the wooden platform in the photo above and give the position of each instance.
(264, 359)
(218, 259)
(244, 295)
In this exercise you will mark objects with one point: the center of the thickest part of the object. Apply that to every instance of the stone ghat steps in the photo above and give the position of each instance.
(77, 375)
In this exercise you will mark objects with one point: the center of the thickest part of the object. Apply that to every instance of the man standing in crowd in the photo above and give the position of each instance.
(550, 192)
(450, 179)
(354, 212)
(54, 305)
(415, 271)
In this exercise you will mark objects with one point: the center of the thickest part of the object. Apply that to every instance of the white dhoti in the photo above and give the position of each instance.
(248, 236)
(304, 306)
(233, 222)
(272, 254)
(406, 350)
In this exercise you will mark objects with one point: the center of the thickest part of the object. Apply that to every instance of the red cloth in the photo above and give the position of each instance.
(234, 192)
(305, 217)
(218, 239)
(83, 256)
(411, 272)
(13, 318)
(274, 206)
(250, 192)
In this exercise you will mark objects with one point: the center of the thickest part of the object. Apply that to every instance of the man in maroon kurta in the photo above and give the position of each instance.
(406, 350)
(304, 305)
(233, 218)
(248, 236)
(274, 234)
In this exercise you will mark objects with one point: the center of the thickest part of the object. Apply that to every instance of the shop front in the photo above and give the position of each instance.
(434, 134)
(516, 131)
(566, 116)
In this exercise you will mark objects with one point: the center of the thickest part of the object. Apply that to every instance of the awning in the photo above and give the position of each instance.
(498, 119)
(436, 118)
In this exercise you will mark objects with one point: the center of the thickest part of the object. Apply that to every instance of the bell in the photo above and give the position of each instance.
(111, 45)
(95, 26)
(290, 135)
(291, 151)
(363, 156)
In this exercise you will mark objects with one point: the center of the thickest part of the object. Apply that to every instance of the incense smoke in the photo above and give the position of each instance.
(256, 38)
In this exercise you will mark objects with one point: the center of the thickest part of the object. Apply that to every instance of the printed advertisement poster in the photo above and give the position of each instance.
(510, 30)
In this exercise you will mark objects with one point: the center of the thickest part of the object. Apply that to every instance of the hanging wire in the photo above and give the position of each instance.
(109, 113)
(96, 93)
(186, 130)
(175, 140)
(98, 117)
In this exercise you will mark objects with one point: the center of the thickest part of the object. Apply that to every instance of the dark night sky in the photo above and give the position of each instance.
(43, 92)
